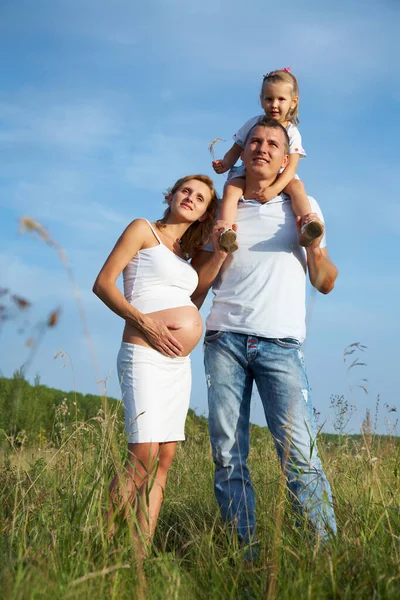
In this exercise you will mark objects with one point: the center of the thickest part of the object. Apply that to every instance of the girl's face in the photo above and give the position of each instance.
(277, 101)
(191, 201)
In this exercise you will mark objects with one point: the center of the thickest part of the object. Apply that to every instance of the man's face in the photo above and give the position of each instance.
(264, 154)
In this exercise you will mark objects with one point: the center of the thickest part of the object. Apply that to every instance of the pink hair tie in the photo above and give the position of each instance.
(286, 69)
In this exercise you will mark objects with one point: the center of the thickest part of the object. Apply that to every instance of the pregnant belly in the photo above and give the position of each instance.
(186, 317)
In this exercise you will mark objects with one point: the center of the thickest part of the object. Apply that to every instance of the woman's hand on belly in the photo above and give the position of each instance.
(160, 337)
(187, 328)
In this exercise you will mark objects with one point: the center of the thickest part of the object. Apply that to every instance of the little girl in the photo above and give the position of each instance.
(280, 101)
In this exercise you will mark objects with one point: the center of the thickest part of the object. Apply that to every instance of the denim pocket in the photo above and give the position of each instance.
(211, 335)
(288, 343)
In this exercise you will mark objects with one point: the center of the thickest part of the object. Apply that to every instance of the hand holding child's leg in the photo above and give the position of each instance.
(301, 207)
(232, 193)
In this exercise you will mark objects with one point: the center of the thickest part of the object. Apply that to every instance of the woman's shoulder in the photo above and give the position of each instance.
(140, 231)
(140, 225)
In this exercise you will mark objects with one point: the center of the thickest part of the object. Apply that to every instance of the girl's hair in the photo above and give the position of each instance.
(199, 232)
(285, 76)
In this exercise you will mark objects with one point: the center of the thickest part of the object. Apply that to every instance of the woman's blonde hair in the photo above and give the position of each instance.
(285, 76)
(199, 232)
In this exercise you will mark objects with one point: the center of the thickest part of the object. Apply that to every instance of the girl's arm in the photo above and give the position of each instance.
(230, 158)
(293, 187)
(285, 177)
(131, 241)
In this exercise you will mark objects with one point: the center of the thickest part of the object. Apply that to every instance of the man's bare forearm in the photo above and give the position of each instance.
(207, 265)
(322, 271)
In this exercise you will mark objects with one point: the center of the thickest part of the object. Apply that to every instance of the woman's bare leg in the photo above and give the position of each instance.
(124, 486)
(143, 480)
(151, 493)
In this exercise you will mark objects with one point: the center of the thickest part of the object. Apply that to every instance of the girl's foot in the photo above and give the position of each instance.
(310, 232)
(227, 240)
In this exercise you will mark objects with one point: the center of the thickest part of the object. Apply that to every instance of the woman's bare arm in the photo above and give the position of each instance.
(131, 241)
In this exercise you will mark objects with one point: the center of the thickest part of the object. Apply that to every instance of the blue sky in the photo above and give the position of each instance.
(103, 105)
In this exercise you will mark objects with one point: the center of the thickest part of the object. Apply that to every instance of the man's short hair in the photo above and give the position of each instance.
(271, 124)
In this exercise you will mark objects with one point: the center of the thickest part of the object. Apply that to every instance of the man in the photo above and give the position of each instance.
(254, 334)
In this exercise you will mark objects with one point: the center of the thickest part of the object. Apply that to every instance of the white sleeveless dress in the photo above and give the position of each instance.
(155, 388)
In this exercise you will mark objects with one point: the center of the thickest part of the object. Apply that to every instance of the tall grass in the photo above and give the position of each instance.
(53, 540)
(53, 498)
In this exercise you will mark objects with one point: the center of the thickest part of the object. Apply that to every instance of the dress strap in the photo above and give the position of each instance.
(153, 230)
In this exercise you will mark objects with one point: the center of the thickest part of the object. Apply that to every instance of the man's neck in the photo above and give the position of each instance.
(258, 189)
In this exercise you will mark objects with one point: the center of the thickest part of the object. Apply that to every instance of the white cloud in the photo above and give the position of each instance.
(36, 283)
(133, 95)
(37, 123)
(163, 160)
(67, 198)
(328, 43)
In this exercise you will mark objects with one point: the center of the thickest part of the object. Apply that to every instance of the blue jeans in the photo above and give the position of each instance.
(233, 361)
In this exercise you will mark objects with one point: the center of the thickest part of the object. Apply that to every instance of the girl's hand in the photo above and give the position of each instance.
(219, 166)
(267, 194)
(159, 335)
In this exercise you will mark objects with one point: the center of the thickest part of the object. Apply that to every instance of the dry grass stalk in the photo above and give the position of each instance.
(22, 303)
(27, 224)
(53, 318)
(212, 144)
(272, 587)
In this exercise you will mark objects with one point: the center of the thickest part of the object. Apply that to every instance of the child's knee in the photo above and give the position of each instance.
(295, 186)
(234, 187)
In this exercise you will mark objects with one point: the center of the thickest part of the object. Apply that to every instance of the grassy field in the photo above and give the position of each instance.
(54, 545)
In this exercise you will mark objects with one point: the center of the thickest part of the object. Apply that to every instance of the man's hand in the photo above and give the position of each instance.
(208, 264)
(160, 337)
(220, 166)
(219, 227)
(300, 221)
(321, 270)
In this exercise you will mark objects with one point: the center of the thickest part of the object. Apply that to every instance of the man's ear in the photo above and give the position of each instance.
(285, 161)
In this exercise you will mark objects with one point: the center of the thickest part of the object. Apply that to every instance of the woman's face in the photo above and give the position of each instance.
(191, 200)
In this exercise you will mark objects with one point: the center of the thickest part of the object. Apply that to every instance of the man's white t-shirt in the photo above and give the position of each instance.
(261, 288)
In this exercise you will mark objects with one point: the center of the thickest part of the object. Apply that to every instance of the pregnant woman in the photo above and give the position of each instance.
(162, 326)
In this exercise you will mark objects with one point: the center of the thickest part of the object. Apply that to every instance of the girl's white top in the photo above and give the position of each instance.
(157, 279)
(295, 144)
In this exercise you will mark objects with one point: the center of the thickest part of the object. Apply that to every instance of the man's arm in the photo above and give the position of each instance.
(321, 270)
(208, 264)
